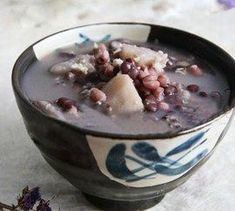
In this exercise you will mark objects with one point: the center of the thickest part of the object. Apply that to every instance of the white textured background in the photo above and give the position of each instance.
(22, 22)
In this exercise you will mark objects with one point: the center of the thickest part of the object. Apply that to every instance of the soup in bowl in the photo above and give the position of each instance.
(126, 112)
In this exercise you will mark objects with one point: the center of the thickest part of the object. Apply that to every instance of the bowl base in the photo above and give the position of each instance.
(113, 205)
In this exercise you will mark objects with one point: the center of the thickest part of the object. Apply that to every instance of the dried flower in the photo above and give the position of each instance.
(29, 198)
(228, 3)
(43, 206)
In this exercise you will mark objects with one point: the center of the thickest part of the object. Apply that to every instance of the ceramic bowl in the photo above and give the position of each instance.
(123, 172)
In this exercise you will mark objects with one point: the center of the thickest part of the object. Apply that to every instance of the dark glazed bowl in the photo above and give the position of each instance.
(112, 170)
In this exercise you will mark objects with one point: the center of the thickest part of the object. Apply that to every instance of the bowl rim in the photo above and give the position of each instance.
(17, 88)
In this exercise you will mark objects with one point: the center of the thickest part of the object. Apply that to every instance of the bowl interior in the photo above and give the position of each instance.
(134, 31)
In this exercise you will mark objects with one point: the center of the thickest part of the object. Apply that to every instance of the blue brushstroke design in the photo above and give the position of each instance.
(144, 166)
(187, 144)
(179, 170)
(190, 151)
(87, 40)
(116, 163)
(152, 160)
(106, 38)
(148, 152)
(161, 169)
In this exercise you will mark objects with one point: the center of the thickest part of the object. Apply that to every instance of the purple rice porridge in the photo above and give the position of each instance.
(126, 87)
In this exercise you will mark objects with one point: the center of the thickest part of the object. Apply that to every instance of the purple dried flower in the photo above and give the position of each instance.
(29, 198)
(43, 206)
(228, 3)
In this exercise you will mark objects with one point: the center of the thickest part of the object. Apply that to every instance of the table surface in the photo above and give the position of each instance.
(23, 22)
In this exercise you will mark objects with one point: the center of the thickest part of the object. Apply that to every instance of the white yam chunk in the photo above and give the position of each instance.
(82, 63)
(145, 56)
(62, 68)
(122, 95)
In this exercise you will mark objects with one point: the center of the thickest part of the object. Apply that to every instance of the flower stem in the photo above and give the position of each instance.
(5, 206)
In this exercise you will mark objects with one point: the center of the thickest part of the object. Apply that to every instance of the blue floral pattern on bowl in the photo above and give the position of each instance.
(150, 158)
(86, 39)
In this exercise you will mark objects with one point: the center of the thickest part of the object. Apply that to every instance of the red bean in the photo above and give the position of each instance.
(129, 67)
(203, 94)
(116, 69)
(158, 90)
(164, 80)
(126, 67)
(150, 82)
(215, 95)
(152, 71)
(69, 76)
(193, 88)
(151, 107)
(101, 54)
(159, 93)
(178, 107)
(152, 85)
(108, 69)
(97, 95)
(93, 77)
(144, 91)
(170, 90)
(151, 78)
(105, 71)
(79, 77)
(195, 70)
(137, 83)
(133, 73)
(143, 73)
(163, 106)
(149, 99)
(150, 103)
(66, 103)
(130, 60)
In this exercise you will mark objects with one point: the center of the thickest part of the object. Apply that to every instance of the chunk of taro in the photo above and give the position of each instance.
(49, 108)
(122, 95)
(82, 63)
(145, 56)
(62, 68)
